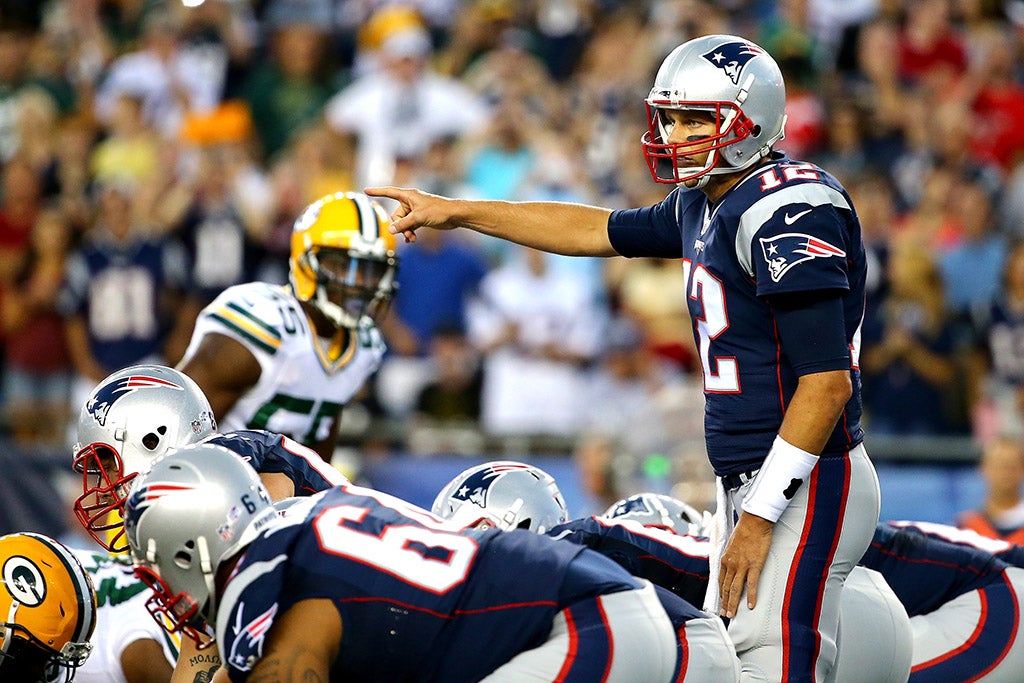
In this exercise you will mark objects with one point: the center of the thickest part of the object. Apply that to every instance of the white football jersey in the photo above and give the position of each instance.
(121, 618)
(300, 389)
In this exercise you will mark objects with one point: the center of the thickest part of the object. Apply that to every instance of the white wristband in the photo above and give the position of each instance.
(784, 471)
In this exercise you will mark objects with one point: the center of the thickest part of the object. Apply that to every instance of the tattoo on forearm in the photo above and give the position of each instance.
(204, 675)
(274, 670)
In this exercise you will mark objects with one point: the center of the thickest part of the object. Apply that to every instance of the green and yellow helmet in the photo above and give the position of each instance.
(47, 609)
(343, 258)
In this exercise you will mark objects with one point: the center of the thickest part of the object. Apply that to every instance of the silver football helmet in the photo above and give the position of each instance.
(196, 507)
(502, 494)
(132, 416)
(659, 511)
(734, 80)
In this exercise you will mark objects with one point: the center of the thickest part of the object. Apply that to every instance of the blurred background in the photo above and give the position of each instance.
(153, 153)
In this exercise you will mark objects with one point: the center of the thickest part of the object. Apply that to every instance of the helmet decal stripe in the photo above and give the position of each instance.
(84, 595)
(104, 397)
(368, 227)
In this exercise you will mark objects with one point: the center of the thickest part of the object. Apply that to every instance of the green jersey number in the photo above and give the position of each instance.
(319, 410)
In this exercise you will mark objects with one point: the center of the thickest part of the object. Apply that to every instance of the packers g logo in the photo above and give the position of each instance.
(24, 581)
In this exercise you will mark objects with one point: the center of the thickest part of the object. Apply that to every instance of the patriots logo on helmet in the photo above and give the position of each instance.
(732, 57)
(100, 403)
(474, 489)
(784, 251)
(631, 504)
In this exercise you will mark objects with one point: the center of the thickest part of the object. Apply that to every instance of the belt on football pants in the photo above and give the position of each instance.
(731, 482)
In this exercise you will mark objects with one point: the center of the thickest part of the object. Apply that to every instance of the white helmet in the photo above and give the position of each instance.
(731, 78)
(662, 512)
(196, 507)
(131, 417)
(503, 494)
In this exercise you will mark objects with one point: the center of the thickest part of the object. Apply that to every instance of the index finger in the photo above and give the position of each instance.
(385, 191)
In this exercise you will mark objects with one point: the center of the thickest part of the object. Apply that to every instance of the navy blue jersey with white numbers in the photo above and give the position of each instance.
(676, 563)
(418, 600)
(268, 452)
(787, 227)
(926, 572)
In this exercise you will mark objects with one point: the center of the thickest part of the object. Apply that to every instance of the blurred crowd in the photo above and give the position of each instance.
(154, 153)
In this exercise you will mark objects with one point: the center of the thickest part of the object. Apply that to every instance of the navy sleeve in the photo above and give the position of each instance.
(799, 239)
(651, 231)
(676, 563)
(274, 453)
(812, 331)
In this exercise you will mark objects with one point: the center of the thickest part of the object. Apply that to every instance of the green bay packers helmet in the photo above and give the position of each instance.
(47, 609)
(343, 258)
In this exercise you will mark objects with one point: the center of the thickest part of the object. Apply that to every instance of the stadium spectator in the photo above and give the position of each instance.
(288, 90)
(37, 367)
(973, 265)
(996, 393)
(122, 295)
(403, 95)
(909, 351)
(536, 327)
(1001, 513)
(169, 78)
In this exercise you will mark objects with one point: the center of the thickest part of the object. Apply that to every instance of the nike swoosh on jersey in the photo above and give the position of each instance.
(790, 220)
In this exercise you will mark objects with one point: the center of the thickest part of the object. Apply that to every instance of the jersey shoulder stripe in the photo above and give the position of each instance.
(249, 326)
(760, 212)
(250, 311)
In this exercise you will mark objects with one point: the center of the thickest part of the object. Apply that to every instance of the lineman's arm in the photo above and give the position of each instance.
(195, 665)
(301, 645)
(556, 227)
(224, 369)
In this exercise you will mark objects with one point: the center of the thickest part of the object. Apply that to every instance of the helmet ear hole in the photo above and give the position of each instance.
(151, 441)
(525, 524)
(183, 559)
(756, 132)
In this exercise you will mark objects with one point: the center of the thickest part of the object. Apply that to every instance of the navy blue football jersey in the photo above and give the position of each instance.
(926, 572)
(275, 453)
(418, 600)
(673, 562)
(787, 227)
(1001, 333)
(118, 289)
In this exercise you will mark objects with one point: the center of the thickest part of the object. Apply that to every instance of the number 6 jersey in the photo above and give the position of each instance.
(418, 599)
(300, 390)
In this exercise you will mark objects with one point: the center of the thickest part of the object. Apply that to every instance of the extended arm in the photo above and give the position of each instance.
(556, 227)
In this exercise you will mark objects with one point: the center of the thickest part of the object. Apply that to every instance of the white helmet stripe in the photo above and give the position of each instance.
(83, 587)
(368, 227)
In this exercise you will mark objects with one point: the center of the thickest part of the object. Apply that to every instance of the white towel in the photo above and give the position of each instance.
(721, 528)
